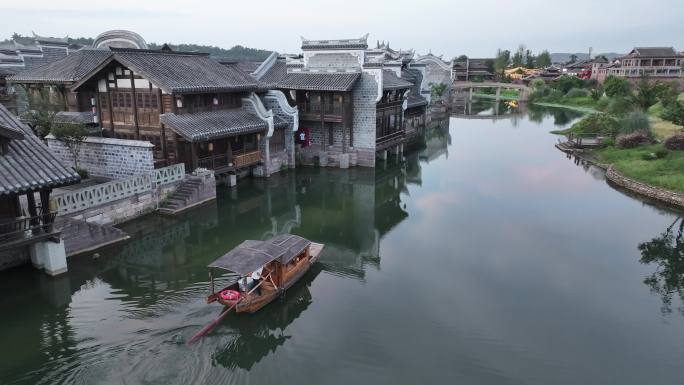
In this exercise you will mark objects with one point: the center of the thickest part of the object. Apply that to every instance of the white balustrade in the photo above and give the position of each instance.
(88, 197)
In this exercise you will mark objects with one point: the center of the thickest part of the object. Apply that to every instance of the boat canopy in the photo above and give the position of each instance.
(251, 255)
(293, 244)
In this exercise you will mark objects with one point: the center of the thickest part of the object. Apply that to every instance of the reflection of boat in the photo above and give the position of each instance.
(282, 261)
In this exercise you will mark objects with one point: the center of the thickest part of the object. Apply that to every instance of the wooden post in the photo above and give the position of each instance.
(45, 204)
(193, 152)
(109, 104)
(135, 107)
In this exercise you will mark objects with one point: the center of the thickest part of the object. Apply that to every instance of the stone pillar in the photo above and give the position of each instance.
(498, 93)
(51, 256)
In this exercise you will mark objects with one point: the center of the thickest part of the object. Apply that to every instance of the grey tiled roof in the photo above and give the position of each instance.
(361, 43)
(275, 74)
(67, 70)
(29, 165)
(654, 51)
(390, 81)
(185, 72)
(203, 126)
(85, 117)
(319, 81)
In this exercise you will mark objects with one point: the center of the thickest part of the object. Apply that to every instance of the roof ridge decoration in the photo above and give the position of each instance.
(265, 65)
(280, 98)
(335, 44)
(119, 38)
(261, 111)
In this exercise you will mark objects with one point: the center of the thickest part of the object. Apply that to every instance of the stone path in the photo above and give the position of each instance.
(81, 236)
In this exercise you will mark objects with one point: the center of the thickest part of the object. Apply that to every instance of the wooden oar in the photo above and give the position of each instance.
(208, 327)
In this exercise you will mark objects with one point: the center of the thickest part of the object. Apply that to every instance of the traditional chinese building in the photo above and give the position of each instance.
(351, 101)
(473, 69)
(662, 63)
(192, 108)
(28, 173)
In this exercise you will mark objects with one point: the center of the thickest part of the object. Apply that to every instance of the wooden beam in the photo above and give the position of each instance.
(135, 107)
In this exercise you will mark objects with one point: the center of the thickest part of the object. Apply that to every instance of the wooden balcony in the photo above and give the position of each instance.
(329, 112)
(26, 230)
(246, 159)
(389, 140)
(223, 163)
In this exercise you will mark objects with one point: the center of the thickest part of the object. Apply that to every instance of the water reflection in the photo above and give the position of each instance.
(561, 116)
(666, 252)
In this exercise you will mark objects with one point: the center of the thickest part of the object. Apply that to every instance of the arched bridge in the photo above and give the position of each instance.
(523, 89)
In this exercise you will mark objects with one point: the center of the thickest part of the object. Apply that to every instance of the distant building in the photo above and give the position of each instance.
(473, 69)
(662, 63)
(16, 57)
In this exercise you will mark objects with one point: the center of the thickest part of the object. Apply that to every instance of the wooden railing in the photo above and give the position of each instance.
(586, 138)
(246, 159)
(240, 159)
(213, 162)
(389, 140)
(316, 107)
(27, 227)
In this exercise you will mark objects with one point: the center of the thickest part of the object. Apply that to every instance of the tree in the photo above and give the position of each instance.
(646, 92)
(72, 135)
(616, 86)
(565, 83)
(674, 114)
(544, 59)
(667, 253)
(529, 59)
(668, 93)
(573, 58)
(438, 90)
(519, 56)
(462, 58)
(502, 60)
(42, 112)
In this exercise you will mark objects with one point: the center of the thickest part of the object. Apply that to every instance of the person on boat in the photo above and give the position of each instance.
(247, 283)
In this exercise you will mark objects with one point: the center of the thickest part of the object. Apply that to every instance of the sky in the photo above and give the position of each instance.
(476, 28)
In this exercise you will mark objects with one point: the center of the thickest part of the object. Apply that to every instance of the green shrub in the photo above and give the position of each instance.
(617, 86)
(577, 93)
(602, 103)
(675, 142)
(660, 154)
(596, 93)
(633, 140)
(610, 142)
(537, 83)
(674, 113)
(565, 83)
(619, 105)
(83, 173)
(597, 124)
(634, 121)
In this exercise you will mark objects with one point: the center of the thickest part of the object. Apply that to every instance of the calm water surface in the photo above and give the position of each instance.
(485, 257)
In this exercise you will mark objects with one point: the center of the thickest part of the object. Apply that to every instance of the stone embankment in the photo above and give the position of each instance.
(613, 176)
(659, 194)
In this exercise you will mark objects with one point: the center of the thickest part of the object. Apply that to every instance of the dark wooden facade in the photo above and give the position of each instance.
(324, 108)
(389, 119)
(129, 107)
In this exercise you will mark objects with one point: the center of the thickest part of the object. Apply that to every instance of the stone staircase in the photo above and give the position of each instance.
(193, 191)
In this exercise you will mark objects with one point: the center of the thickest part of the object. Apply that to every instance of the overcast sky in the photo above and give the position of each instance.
(448, 27)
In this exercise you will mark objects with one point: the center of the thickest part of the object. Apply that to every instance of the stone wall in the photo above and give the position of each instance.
(14, 257)
(107, 157)
(659, 194)
(126, 209)
(363, 97)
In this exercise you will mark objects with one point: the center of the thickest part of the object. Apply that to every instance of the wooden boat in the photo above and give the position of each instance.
(284, 259)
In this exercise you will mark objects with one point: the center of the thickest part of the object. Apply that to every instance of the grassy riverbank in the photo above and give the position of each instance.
(578, 108)
(504, 95)
(665, 172)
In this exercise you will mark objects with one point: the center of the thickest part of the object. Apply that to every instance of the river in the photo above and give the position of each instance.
(486, 256)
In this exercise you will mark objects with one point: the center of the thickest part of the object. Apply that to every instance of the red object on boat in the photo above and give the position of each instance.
(230, 295)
